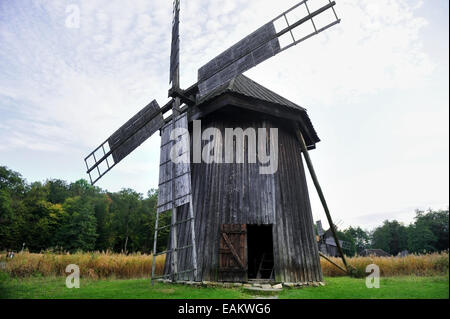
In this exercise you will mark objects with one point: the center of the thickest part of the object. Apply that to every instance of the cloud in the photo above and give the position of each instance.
(87, 81)
(377, 46)
(64, 91)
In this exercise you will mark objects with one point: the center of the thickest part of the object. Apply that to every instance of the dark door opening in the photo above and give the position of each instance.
(260, 252)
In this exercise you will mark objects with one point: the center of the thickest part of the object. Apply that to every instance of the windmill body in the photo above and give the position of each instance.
(265, 217)
(233, 219)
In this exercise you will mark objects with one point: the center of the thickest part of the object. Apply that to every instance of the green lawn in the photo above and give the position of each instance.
(341, 287)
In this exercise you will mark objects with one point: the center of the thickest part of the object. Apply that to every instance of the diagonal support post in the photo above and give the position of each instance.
(332, 262)
(320, 192)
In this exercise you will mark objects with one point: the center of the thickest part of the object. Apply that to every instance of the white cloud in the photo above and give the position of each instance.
(66, 90)
(376, 47)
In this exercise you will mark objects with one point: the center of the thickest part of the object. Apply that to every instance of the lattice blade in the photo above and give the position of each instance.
(125, 140)
(182, 169)
(263, 44)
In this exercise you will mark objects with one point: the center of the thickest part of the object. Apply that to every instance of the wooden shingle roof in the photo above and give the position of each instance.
(244, 87)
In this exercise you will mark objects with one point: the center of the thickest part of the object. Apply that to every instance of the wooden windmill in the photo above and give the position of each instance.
(229, 222)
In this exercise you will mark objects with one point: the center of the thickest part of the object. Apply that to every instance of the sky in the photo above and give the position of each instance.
(375, 87)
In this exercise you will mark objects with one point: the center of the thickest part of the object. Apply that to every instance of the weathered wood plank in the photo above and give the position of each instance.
(238, 194)
(135, 131)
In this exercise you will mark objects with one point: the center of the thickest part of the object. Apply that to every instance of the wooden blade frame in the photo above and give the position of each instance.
(257, 47)
(174, 189)
(125, 140)
(175, 48)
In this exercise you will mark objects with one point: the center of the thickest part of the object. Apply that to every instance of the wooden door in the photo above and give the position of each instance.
(233, 253)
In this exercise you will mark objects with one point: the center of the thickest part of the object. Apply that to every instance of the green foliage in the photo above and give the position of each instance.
(429, 233)
(346, 237)
(78, 216)
(392, 237)
(58, 191)
(11, 181)
(75, 216)
(78, 231)
(360, 238)
(12, 190)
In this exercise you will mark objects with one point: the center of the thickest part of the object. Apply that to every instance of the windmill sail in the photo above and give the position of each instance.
(179, 156)
(264, 43)
(125, 140)
(175, 51)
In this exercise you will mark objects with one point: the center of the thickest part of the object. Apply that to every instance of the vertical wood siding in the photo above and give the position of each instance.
(238, 194)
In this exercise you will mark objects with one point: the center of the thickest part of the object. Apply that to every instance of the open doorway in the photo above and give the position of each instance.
(260, 252)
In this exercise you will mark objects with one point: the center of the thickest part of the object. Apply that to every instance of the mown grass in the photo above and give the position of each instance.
(119, 266)
(412, 287)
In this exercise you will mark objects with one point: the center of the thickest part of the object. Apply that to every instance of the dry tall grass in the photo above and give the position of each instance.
(92, 265)
(418, 265)
(109, 265)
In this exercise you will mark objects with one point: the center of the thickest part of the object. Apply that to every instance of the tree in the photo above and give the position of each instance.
(77, 216)
(58, 191)
(360, 238)
(392, 237)
(83, 188)
(102, 204)
(421, 239)
(146, 229)
(11, 181)
(125, 210)
(429, 233)
(44, 229)
(350, 248)
(78, 231)
(8, 224)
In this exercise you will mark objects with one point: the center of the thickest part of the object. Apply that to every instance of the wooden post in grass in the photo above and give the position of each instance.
(332, 262)
(319, 191)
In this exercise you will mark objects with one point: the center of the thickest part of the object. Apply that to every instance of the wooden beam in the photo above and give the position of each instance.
(319, 191)
(233, 251)
(175, 113)
(332, 262)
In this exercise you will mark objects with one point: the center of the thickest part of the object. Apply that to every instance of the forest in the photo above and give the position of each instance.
(59, 216)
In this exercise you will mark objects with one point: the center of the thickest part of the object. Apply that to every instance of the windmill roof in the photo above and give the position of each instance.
(244, 86)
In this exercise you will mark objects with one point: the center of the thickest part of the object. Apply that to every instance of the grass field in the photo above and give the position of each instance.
(98, 265)
(411, 287)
